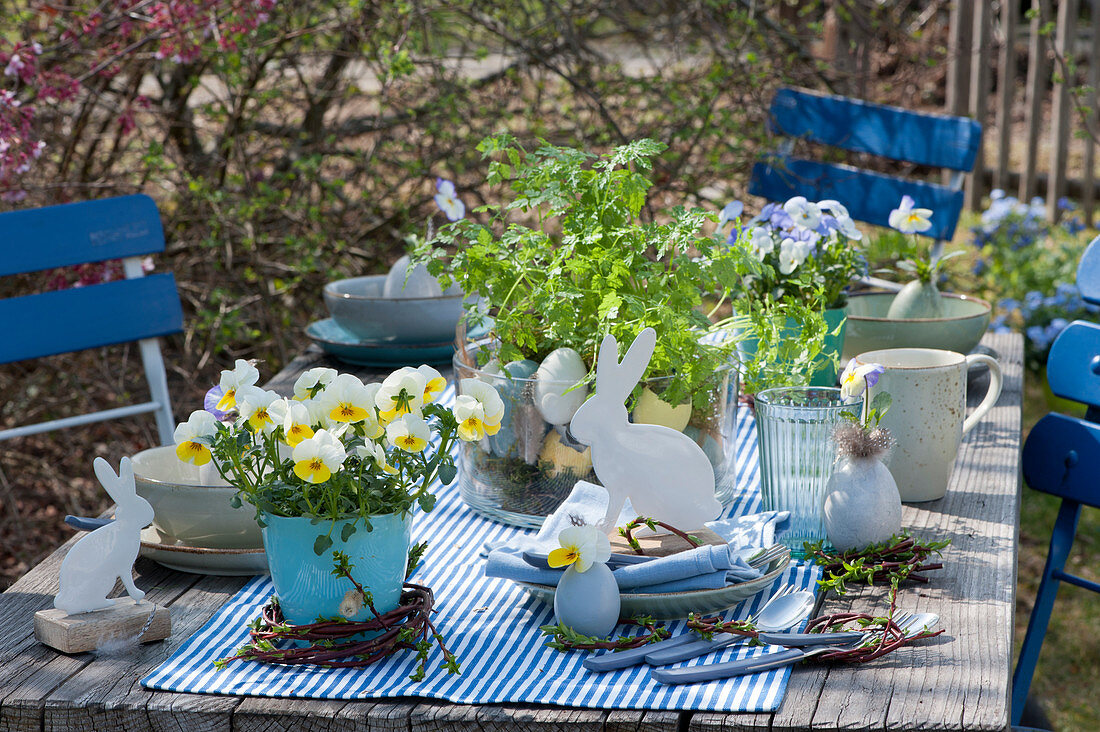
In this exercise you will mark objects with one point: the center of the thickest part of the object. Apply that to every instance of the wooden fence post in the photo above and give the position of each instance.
(958, 57)
(1088, 198)
(1060, 107)
(1036, 89)
(1006, 89)
(979, 96)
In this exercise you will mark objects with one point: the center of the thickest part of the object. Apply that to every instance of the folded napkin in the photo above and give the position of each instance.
(702, 568)
(721, 560)
(708, 568)
(752, 530)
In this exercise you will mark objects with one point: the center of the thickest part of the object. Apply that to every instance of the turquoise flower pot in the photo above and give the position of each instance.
(304, 583)
(834, 318)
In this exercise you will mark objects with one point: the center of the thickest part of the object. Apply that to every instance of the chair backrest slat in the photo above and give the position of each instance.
(1073, 365)
(868, 196)
(49, 323)
(1088, 273)
(77, 233)
(892, 132)
(1062, 457)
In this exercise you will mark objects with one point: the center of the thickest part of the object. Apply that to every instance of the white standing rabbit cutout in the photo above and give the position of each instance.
(89, 570)
(662, 471)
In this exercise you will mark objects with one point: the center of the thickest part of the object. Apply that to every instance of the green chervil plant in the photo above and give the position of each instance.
(587, 265)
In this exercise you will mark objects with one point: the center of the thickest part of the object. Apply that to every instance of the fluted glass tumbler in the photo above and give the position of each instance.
(794, 430)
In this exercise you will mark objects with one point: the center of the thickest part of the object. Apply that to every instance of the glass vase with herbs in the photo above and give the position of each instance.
(570, 255)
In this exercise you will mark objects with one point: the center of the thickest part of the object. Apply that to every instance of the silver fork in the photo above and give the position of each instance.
(634, 656)
(712, 671)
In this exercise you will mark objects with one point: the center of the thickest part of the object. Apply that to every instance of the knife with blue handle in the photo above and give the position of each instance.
(632, 656)
(713, 671)
(86, 523)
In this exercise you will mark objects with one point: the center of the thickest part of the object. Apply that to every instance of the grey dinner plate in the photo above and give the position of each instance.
(672, 605)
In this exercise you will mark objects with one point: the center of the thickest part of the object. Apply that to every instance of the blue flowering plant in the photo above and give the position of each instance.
(810, 252)
(1041, 317)
(805, 255)
(1020, 250)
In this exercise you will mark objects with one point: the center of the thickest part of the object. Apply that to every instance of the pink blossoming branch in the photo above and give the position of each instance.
(81, 49)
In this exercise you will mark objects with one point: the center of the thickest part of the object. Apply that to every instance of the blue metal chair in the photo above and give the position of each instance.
(921, 139)
(136, 308)
(1062, 458)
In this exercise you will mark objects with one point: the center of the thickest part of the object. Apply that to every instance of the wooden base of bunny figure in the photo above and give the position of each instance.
(90, 569)
(124, 622)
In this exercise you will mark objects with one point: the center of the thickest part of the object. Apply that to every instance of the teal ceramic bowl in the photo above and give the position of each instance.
(357, 306)
(868, 329)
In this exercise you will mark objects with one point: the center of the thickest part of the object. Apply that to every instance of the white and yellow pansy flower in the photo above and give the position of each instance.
(401, 393)
(318, 457)
(909, 220)
(409, 432)
(295, 419)
(243, 374)
(804, 213)
(312, 382)
(193, 437)
(581, 546)
(761, 242)
(792, 253)
(479, 411)
(434, 383)
(347, 400)
(373, 453)
(254, 405)
(491, 403)
(858, 377)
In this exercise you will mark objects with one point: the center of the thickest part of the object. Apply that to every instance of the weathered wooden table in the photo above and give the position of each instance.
(957, 681)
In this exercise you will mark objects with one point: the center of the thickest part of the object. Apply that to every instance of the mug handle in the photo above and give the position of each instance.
(991, 394)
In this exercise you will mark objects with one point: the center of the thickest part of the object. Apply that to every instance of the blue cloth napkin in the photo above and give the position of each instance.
(722, 561)
(679, 576)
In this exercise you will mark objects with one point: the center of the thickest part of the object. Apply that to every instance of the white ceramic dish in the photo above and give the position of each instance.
(185, 508)
(202, 560)
(672, 605)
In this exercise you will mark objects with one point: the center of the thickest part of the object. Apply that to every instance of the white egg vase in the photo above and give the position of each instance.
(862, 503)
(401, 283)
(587, 595)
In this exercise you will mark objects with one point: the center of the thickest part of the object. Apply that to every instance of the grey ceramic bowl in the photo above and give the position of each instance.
(358, 307)
(184, 509)
(868, 329)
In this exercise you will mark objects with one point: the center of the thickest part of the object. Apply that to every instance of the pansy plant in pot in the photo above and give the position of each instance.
(862, 503)
(337, 468)
(919, 298)
(791, 308)
(565, 260)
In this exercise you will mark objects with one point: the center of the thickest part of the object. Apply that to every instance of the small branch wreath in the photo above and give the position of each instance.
(652, 524)
(899, 558)
(339, 642)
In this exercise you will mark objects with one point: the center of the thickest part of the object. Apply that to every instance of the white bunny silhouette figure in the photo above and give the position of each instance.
(89, 570)
(662, 471)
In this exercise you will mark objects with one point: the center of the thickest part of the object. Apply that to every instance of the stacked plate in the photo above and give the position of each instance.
(367, 328)
(195, 526)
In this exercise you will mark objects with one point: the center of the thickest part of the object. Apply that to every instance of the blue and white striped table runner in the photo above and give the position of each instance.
(491, 625)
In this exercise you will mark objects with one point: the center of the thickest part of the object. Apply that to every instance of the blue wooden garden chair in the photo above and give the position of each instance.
(916, 138)
(1062, 458)
(136, 308)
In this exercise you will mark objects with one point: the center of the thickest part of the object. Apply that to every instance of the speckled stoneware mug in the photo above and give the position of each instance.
(928, 415)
